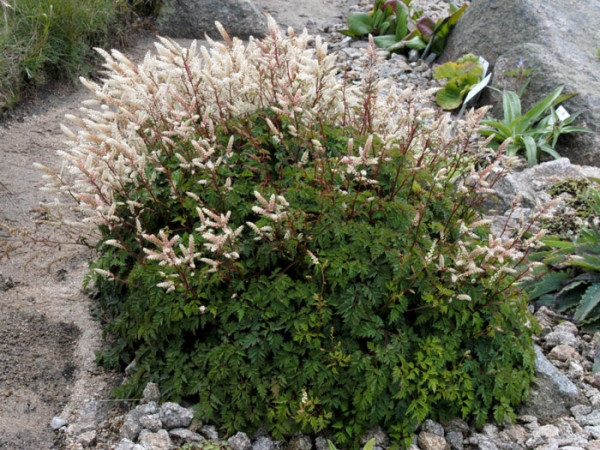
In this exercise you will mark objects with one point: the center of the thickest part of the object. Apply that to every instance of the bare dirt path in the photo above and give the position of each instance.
(42, 310)
(47, 335)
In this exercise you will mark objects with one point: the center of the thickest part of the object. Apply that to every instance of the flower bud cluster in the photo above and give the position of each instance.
(178, 105)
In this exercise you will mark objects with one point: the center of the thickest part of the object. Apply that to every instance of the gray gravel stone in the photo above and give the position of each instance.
(546, 432)
(594, 431)
(430, 426)
(299, 442)
(131, 424)
(155, 441)
(173, 415)
(210, 432)
(457, 425)
(58, 422)
(592, 419)
(580, 411)
(87, 439)
(127, 444)
(321, 443)
(263, 443)
(131, 427)
(567, 327)
(553, 393)
(180, 435)
(240, 441)
(151, 393)
(561, 338)
(430, 441)
(565, 353)
(514, 433)
(482, 442)
(489, 429)
(376, 433)
(151, 422)
(455, 439)
(148, 408)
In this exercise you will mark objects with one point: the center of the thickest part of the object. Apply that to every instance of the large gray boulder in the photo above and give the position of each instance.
(559, 38)
(552, 393)
(195, 18)
(533, 184)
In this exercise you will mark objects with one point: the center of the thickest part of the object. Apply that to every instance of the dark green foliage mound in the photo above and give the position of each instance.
(369, 333)
(315, 263)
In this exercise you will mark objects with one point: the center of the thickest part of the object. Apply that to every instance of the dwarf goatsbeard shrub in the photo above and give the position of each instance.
(289, 250)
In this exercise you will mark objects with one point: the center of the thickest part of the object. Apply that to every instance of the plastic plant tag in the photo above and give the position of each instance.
(562, 113)
(484, 64)
(475, 90)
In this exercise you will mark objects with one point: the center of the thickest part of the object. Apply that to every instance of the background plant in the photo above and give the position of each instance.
(397, 26)
(461, 76)
(567, 224)
(572, 283)
(385, 17)
(43, 39)
(288, 250)
(521, 75)
(533, 132)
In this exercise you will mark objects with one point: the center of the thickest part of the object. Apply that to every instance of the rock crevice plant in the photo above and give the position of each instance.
(533, 132)
(286, 249)
(572, 279)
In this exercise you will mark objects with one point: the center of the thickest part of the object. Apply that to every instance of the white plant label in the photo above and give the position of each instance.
(562, 113)
(484, 64)
(477, 89)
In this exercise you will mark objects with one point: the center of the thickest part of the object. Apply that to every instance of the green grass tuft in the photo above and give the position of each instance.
(42, 40)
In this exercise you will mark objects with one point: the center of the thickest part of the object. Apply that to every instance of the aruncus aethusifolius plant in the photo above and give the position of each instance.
(290, 250)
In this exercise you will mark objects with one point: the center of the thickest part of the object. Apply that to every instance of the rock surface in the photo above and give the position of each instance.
(155, 441)
(195, 18)
(58, 422)
(552, 394)
(430, 441)
(173, 415)
(559, 38)
(240, 441)
(532, 186)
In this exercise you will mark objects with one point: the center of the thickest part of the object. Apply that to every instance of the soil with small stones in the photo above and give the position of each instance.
(36, 365)
(47, 336)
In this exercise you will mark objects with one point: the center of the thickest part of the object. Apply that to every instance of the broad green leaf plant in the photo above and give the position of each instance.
(461, 76)
(534, 132)
(396, 26)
